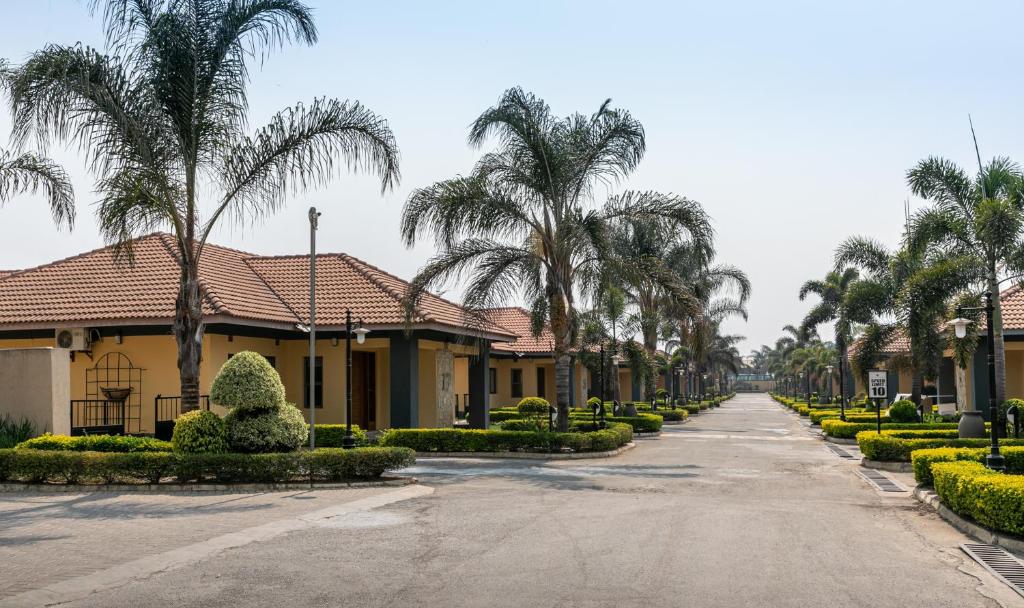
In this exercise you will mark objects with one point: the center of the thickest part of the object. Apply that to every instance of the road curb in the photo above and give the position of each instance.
(929, 497)
(892, 467)
(529, 455)
(839, 440)
(195, 488)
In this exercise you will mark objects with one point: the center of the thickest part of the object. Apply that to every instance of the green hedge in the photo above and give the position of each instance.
(479, 440)
(924, 459)
(995, 500)
(95, 443)
(670, 415)
(39, 466)
(817, 416)
(895, 449)
(848, 430)
(331, 435)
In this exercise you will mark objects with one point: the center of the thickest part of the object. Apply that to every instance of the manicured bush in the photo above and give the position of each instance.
(903, 411)
(282, 429)
(995, 500)
(95, 443)
(248, 381)
(670, 415)
(332, 435)
(199, 432)
(593, 402)
(923, 459)
(533, 406)
(479, 440)
(327, 464)
(692, 408)
(849, 429)
(895, 449)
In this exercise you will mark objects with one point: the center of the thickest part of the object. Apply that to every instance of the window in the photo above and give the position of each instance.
(318, 387)
(542, 388)
(517, 383)
(492, 381)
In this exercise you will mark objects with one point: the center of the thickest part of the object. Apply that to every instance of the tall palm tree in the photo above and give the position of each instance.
(832, 308)
(524, 221)
(906, 290)
(162, 119)
(29, 173)
(980, 216)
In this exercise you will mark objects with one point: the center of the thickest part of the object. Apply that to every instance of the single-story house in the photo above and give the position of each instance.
(115, 320)
(970, 390)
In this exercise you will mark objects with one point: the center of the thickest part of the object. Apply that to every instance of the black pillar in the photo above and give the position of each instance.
(405, 382)
(479, 387)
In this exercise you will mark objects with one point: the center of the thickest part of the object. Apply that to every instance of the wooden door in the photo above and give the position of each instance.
(364, 383)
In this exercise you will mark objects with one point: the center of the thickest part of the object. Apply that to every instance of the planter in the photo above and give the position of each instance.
(972, 425)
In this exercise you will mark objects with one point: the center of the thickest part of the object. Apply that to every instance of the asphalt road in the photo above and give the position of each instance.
(740, 507)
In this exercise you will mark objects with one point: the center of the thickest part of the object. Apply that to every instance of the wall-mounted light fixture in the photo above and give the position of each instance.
(118, 337)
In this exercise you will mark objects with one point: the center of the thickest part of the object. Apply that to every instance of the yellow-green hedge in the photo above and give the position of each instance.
(994, 500)
(924, 459)
(895, 449)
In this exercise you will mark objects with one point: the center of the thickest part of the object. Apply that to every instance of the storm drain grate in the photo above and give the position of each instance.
(838, 451)
(996, 560)
(880, 481)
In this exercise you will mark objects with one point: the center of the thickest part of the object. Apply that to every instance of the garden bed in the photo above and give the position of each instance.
(992, 499)
(151, 468)
(849, 430)
(896, 449)
(479, 440)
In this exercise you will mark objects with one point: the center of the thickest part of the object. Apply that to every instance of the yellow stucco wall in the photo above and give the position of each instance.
(157, 356)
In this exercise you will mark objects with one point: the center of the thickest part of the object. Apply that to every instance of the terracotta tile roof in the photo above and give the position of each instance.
(1012, 300)
(92, 288)
(347, 282)
(517, 319)
(4, 273)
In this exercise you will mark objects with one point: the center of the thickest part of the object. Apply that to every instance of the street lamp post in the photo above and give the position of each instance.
(842, 388)
(828, 371)
(994, 460)
(349, 441)
(314, 220)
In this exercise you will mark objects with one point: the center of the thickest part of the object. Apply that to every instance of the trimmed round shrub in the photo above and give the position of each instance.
(533, 406)
(903, 411)
(282, 429)
(199, 432)
(594, 402)
(248, 381)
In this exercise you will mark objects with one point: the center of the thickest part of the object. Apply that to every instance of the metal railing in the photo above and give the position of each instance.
(99, 416)
(167, 409)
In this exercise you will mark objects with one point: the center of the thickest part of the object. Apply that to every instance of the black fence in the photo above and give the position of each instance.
(97, 417)
(167, 409)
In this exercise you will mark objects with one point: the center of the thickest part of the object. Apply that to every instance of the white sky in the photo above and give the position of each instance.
(792, 122)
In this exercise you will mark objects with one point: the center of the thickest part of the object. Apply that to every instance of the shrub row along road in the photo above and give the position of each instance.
(740, 507)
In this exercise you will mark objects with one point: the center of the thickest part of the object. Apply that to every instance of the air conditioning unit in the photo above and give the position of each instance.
(74, 338)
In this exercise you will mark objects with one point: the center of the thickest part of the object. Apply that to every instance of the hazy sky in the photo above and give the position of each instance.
(792, 122)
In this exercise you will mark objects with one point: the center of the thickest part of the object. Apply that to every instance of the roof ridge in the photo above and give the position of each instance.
(23, 271)
(354, 263)
(262, 279)
(214, 300)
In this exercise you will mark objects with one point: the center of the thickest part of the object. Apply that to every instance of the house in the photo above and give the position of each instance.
(970, 390)
(115, 320)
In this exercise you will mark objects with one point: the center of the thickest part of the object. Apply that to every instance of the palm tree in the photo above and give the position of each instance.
(981, 217)
(29, 173)
(523, 223)
(907, 291)
(833, 291)
(162, 121)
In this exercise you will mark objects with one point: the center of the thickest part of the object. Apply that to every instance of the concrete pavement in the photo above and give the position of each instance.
(743, 506)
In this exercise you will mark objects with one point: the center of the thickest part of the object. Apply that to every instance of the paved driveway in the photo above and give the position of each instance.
(743, 506)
